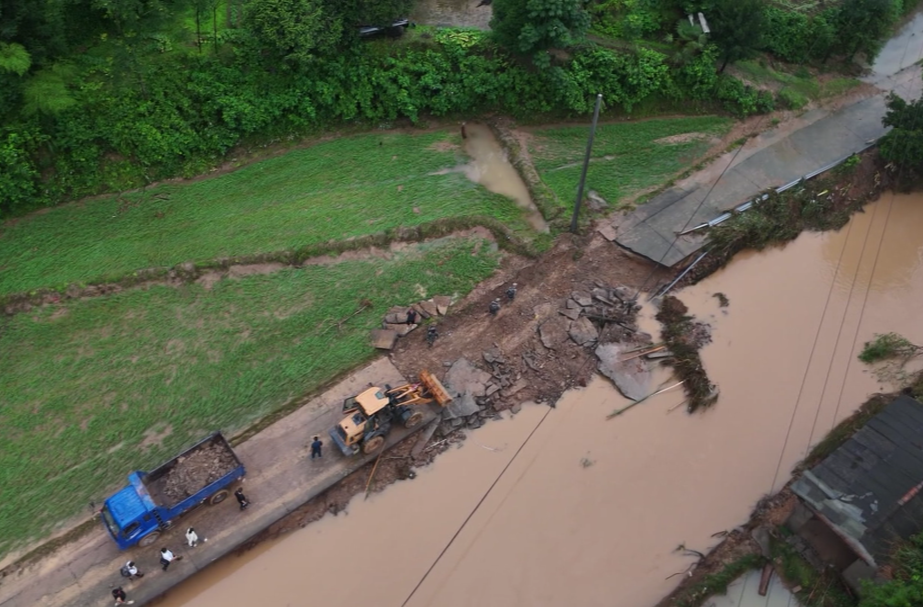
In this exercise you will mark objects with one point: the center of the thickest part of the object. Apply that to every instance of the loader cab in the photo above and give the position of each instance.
(130, 513)
(361, 410)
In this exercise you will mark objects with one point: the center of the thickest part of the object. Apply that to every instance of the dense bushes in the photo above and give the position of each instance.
(192, 109)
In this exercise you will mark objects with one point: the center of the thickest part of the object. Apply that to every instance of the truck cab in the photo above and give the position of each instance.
(131, 514)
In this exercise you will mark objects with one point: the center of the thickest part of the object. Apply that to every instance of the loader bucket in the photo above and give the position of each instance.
(435, 387)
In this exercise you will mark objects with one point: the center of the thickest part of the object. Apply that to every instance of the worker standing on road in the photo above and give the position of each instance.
(242, 499)
(494, 307)
(411, 316)
(119, 595)
(167, 557)
(130, 570)
(193, 538)
(511, 292)
(316, 447)
(431, 335)
(464, 132)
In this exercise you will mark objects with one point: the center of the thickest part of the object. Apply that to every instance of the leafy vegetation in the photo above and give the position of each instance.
(906, 588)
(887, 346)
(627, 156)
(534, 26)
(817, 589)
(737, 28)
(903, 145)
(334, 190)
(103, 385)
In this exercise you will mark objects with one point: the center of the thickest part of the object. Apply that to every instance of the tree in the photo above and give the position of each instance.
(296, 29)
(903, 145)
(863, 26)
(533, 26)
(737, 29)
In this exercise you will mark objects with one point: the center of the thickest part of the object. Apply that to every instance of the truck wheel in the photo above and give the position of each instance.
(373, 444)
(414, 420)
(149, 539)
(218, 497)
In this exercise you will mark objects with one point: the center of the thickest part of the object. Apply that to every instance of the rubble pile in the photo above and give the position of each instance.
(394, 324)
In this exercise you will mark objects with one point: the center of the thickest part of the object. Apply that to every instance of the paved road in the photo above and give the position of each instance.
(770, 161)
(280, 478)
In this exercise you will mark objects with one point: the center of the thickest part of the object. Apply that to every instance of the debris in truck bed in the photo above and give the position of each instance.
(196, 471)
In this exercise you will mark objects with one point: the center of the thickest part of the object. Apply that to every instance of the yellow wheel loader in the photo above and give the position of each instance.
(370, 414)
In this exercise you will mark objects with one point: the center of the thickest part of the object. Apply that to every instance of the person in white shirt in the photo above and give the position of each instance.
(193, 538)
(166, 557)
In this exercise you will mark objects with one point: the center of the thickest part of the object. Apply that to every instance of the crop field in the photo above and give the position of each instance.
(100, 386)
(627, 156)
(334, 190)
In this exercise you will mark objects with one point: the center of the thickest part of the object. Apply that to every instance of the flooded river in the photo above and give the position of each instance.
(559, 506)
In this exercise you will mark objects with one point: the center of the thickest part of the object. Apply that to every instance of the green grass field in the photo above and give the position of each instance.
(627, 156)
(797, 89)
(83, 386)
(334, 190)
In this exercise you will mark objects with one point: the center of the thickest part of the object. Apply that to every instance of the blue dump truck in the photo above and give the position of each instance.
(153, 500)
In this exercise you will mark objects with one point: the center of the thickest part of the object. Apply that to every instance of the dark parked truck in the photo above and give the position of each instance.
(153, 500)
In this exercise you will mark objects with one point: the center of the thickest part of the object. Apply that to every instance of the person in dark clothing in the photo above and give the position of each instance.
(431, 335)
(316, 447)
(119, 595)
(411, 316)
(494, 307)
(464, 132)
(241, 499)
(511, 292)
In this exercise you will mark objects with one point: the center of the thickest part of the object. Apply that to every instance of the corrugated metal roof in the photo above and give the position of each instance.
(879, 471)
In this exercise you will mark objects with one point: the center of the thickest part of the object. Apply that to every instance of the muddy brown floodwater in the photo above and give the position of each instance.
(591, 511)
(491, 168)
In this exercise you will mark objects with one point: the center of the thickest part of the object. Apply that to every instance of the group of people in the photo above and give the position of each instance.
(494, 308)
(130, 569)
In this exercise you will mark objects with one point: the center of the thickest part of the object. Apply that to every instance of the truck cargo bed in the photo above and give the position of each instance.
(192, 471)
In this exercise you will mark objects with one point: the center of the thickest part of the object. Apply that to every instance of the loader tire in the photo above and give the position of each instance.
(414, 420)
(373, 444)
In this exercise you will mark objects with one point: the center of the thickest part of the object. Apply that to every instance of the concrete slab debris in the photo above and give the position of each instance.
(584, 299)
(429, 306)
(423, 313)
(583, 332)
(442, 304)
(492, 389)
(608, 232)
(570, 304)
(463, 377)
(394, 318)
(544, 310)
(424, 438)
(632, 378)
(553, 332)
(383, 338)
(462, 406)
(400, 329)
(519, 385)
(571, 313)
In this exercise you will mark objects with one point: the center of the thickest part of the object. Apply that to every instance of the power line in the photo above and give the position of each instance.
(839, 332)
(476, 507)
(807, 367)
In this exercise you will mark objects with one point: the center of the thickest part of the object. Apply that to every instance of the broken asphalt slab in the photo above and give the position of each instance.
(631, 377)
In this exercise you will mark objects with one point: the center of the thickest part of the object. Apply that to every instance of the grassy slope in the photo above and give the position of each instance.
(347, 187)
(625, 157)
(92, 381)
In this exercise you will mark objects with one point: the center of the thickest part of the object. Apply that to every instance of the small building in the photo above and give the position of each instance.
(867, 493)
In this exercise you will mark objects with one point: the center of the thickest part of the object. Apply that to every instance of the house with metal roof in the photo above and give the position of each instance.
(868, 491)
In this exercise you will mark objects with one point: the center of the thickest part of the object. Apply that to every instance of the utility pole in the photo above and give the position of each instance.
(586, 165)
